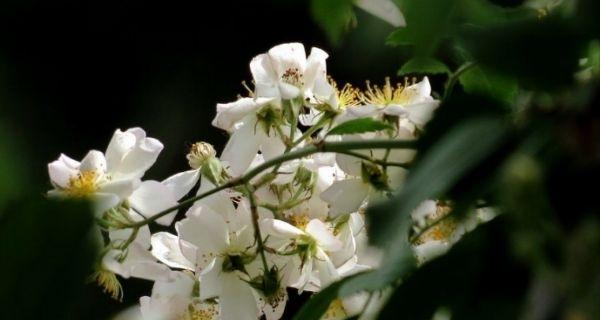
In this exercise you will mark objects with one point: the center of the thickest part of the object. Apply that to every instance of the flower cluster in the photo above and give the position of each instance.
(280, 208)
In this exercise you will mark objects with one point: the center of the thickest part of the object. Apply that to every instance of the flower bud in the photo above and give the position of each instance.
(200, 153)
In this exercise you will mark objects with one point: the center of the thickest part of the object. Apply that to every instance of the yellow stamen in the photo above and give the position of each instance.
(388, 94)
(82, 185)
(348, 96)
(109, 283)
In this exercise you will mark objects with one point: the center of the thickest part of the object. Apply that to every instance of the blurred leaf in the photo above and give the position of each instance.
(334, 16)
(361, 125)
(479, 80)
(48, 250)
(541, 53)
(476, 279)
(316, 306)
(427, 22)
(12, 177)
(443, 165)
(423, 65)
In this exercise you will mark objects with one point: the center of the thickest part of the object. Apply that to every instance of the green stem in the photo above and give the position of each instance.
(375, 161)
(454, 77)
(257, 233)
(337, 147)
(322, 121)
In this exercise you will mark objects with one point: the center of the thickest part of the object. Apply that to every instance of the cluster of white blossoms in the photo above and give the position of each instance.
(263, 220)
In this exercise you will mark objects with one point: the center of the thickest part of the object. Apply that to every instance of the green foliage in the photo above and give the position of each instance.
(423, 65)
(334, 16)
(479, 80)
(48, 249)
(361, 125)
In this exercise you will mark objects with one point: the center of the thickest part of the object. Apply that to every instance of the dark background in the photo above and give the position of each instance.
(71, 72)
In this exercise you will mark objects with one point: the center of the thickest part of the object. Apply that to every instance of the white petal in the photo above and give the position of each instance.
(104, 201)
(120, 143)
(386, 10)
(327, 272)
(274, 312)
(271, 146)
(325, 239)
(179, 284)
(345, 196)
(210, 280)
(280, 229)
(262, 70)
(421, 113)
(153, 197)
(236, 299)
(228, 114)
(430, 250)
(242, 146)
(120, 188)
(181, 183)
(140, 158)
(207, 231)
(60, 173)
(93, 161)
(287, 56)
(315, 67)
(165, 248)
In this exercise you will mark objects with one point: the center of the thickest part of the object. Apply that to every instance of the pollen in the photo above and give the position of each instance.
(348, 95)
(387, 94)
(109, 283)
(83, 184)
(299, 220)
(205, 311)
(335, 311)
(293, 76)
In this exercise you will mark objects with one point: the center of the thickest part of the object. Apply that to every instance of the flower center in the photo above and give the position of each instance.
(205, 311)
(294, 77)
(388, 94)
(335, 311)
(299, 220)
(84, 184)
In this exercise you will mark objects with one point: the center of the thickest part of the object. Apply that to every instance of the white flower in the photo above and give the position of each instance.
(312, 246)
(174, 299)
(284, 72)
(384, 9)
(107, 178)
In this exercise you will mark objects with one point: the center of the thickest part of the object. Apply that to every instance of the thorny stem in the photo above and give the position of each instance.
(323, 146)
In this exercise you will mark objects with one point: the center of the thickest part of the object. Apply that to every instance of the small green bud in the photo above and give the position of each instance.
(213, 170)
(305, 178)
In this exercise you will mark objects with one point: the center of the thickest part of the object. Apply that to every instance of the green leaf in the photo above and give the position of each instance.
(423, 65)
(334, 16)
(360, 125)
(480, 80)
(440, 168)
(427, 22)
(48, 249)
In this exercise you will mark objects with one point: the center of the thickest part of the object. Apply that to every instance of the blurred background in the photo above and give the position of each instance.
(71, 72)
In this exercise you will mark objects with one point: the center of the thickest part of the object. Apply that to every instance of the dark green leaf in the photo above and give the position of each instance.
(48, 250)
(479, 80)
(423, 65)
(333, 15)
(360, 125)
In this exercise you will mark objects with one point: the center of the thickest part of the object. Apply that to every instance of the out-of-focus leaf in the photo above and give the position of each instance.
(477, 279)
(12, 177)
(442, 166)
(361, 125)
(48, 250)
(423, 65)
(427, 22)
(542, 54)
(316, 306)
(479, 80)
(333, 15)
